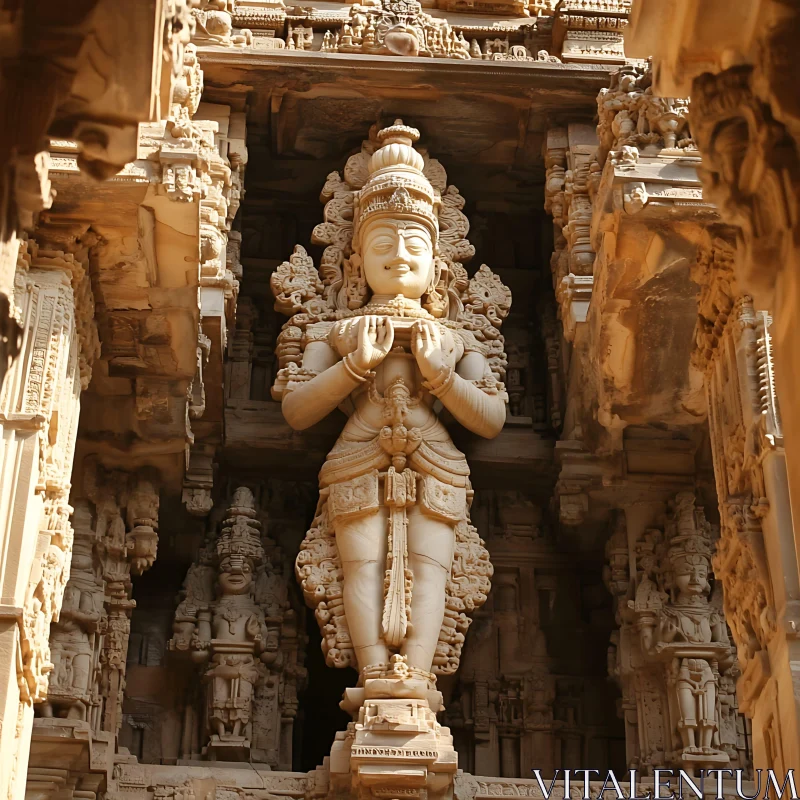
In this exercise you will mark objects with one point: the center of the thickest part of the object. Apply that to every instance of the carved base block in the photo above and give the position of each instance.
(705, 760)
(231, 748)
(395, 747)
(68, 759)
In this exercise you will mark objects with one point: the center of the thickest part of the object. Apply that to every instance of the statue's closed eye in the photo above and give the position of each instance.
(382, 245)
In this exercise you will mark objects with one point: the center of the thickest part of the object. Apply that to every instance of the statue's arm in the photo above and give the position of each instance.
(479, 412)
(306, 403)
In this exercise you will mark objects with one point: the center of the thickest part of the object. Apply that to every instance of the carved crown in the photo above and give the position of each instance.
(240, 537)
(396, 186)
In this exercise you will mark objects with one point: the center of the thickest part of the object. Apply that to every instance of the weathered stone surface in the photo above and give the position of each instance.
(154, 501)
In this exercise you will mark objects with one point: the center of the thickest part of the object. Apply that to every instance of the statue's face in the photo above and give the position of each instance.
(398, 258)
(692, 578)
(235, 577)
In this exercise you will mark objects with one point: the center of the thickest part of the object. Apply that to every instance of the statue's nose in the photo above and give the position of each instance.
(400, 251)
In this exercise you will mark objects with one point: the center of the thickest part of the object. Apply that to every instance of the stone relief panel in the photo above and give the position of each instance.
(116, 535)
(522, 31)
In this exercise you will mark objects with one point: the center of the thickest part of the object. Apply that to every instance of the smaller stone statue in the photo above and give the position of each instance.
(75, 637)
(229, 633)
(680, 628)
(671, 654)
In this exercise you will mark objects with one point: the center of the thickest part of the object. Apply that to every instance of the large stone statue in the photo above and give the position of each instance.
(390, 330)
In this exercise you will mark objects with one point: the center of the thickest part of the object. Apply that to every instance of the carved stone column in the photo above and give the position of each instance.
(502, 712)
(569, 155)
(755, 559)
(39, 408)
(746, 121)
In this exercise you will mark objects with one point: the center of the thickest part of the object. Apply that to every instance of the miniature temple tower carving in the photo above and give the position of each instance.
(390, 324)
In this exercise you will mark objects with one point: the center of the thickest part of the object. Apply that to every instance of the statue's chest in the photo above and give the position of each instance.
(694, 625)
(230, 622)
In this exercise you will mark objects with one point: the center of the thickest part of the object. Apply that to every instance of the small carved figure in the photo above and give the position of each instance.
(230, 633)
(679, 626)
(74, 638)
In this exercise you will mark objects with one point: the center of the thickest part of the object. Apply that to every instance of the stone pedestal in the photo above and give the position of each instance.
(394, 747)
(230, 748)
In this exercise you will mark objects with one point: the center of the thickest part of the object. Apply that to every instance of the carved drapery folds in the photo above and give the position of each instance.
(671, 655)
(235, 622)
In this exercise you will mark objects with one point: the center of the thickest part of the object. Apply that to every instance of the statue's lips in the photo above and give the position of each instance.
(398, 269)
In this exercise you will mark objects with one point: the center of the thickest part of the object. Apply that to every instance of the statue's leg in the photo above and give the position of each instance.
(708, 722)
(362, 549)
(81, 665)
(688, 707)
(430, 555)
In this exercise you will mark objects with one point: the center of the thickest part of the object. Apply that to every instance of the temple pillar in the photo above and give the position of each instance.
(39, 409)
(756, 558)
(746, 123)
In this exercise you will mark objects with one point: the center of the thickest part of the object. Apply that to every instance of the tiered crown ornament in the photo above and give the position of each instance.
(240, 537)
(397, 188)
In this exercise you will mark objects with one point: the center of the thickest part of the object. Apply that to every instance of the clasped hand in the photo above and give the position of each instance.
(426, 344)
(376, 337)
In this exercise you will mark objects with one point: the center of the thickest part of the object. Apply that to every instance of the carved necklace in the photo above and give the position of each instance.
(231, 612)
